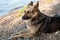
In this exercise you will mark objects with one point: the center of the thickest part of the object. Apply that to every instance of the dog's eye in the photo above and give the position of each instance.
(28, 12)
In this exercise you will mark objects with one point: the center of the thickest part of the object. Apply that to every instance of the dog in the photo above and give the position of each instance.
(38, 22)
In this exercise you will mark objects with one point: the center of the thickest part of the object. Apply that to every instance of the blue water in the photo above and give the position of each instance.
(7, 5)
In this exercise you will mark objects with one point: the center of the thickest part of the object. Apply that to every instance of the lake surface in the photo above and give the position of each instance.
(7, 5)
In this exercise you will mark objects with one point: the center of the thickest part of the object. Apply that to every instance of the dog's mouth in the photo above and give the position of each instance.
(25, 18)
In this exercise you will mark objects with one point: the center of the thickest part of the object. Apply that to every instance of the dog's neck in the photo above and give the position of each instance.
(37, 18)
(40, 19)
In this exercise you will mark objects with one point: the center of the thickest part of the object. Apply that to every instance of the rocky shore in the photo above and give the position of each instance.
(12, 24)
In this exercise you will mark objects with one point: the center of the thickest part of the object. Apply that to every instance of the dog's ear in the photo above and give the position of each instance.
(37, 4)
(31, 3)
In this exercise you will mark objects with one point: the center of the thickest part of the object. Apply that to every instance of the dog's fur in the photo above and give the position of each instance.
(39, 22)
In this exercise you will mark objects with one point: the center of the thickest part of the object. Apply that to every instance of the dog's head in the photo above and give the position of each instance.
(31, 11)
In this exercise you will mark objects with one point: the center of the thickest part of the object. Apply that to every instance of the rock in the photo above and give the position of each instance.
(50, 7)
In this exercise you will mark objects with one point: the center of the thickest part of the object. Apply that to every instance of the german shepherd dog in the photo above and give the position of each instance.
(38, 22)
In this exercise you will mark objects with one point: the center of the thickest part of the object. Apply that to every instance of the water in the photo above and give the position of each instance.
(7, 5)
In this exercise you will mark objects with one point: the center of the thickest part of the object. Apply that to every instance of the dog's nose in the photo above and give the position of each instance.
(25, 17)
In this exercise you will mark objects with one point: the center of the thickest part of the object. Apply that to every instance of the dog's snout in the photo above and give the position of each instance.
(25, 17)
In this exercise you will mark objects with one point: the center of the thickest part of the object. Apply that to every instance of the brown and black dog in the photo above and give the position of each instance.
(38, 22)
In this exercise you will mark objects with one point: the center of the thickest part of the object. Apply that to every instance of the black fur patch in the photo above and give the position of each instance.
(48, 24)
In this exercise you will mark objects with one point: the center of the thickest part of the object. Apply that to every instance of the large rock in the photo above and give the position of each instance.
(50, 7)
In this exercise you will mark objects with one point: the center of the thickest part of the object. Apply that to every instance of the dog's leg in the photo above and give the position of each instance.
(24, 34)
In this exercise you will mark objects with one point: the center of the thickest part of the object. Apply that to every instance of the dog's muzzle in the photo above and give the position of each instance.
(25, 17)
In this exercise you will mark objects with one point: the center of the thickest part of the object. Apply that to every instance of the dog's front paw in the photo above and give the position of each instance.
(23, 35)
